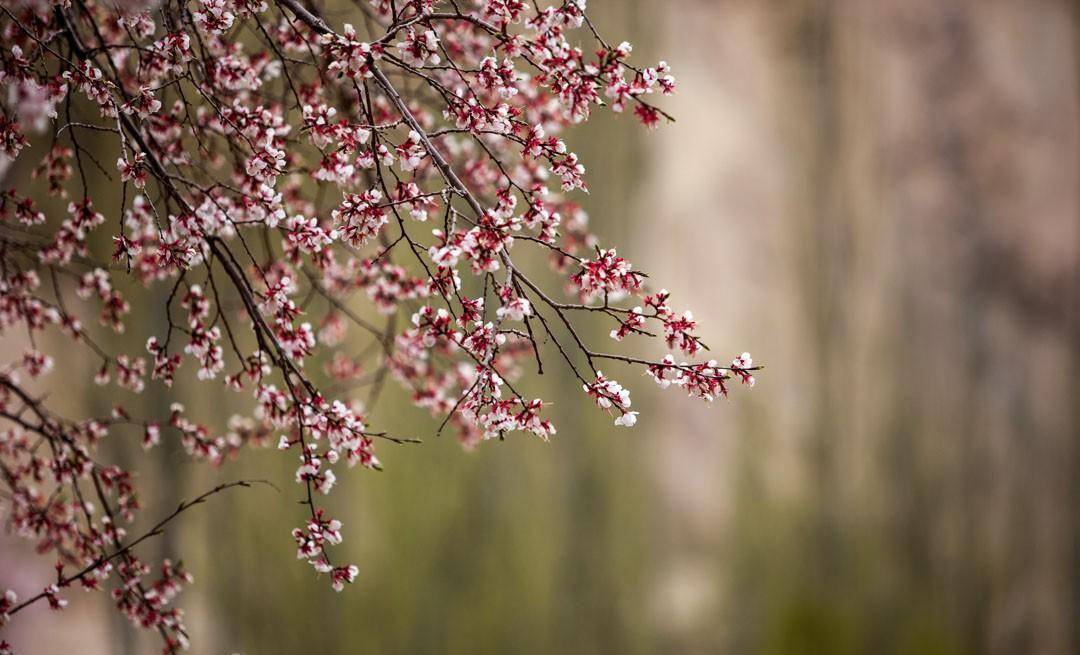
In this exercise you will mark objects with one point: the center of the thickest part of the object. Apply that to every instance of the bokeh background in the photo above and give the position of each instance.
(879, 199)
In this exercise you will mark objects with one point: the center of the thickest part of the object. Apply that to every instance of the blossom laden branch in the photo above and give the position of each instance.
(97, 567)
(320, 210)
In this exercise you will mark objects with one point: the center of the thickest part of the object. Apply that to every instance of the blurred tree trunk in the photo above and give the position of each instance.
(929, 165)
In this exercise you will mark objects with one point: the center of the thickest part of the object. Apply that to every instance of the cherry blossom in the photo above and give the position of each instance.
(317, 211)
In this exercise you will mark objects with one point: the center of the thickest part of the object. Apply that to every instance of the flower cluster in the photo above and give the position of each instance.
(705, 380)
(316, 210)
(609, 394)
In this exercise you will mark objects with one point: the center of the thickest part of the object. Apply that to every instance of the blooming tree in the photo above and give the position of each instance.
(272, 167)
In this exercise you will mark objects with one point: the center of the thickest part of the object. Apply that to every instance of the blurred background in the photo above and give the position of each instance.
(880, 200)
